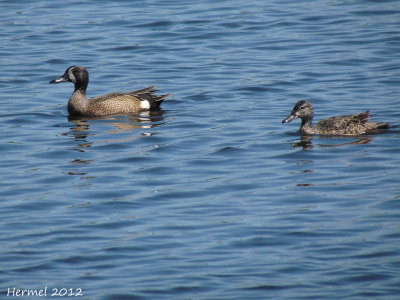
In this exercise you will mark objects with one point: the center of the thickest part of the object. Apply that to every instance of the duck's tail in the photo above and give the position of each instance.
(371, 127)
(151, 101)
(380, 125)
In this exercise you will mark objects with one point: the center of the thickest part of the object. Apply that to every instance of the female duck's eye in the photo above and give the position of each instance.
(302, 107)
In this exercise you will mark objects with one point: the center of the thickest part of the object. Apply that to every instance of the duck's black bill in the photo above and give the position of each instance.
(289, 119)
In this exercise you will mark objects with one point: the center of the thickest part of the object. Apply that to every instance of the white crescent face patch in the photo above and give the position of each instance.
(71, 76)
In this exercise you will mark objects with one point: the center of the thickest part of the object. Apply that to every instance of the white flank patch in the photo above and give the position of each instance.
(145, 104)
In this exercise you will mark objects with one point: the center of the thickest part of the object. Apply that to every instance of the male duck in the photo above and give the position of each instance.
(344, 125)
(110, 104)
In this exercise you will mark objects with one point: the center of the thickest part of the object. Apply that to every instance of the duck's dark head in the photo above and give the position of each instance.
(302, 110)
(75, 74)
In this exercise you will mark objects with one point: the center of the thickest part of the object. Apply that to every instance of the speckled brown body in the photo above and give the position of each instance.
(110, 104)
(343, 125)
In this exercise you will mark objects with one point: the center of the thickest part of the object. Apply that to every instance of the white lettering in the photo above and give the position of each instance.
(12, 292)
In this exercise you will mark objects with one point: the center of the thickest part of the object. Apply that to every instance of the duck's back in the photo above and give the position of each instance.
(124, 103)
(348, 125)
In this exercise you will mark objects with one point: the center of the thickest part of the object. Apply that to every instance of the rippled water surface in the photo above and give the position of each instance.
(211, 197)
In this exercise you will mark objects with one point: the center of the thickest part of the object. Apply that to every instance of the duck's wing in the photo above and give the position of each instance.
(141, 95)
(361, 118)
(107, 97)
(343, 122)
(349, 124)
(146, 91)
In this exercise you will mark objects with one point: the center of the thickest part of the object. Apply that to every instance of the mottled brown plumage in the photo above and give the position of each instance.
(110, 104)
(344, 125)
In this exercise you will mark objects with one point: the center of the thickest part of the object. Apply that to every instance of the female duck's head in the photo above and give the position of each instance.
(303, 110)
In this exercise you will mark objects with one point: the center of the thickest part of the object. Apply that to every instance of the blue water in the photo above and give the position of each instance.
(211, 197)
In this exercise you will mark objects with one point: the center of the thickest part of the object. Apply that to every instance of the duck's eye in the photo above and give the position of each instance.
(302, 107)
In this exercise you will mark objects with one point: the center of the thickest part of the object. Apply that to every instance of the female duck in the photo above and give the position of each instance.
(110, 104)
(344, 125)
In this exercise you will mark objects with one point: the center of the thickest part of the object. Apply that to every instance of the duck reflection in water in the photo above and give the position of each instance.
(121, 124)
(306, 141)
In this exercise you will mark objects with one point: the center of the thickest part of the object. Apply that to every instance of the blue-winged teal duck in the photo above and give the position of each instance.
(110, 104)
(344, 125)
